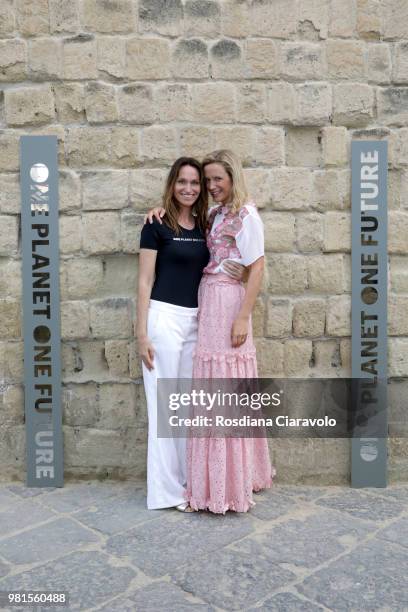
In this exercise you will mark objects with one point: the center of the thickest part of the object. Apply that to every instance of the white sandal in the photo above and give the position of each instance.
(184, 507)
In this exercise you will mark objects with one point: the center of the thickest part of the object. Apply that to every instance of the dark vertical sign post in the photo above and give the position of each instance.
(369, 313)
(42, 369)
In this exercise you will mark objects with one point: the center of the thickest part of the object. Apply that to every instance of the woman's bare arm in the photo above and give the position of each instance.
(240, 326)
(147, 264)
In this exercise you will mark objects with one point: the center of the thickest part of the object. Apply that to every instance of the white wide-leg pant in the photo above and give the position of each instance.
(173, 332)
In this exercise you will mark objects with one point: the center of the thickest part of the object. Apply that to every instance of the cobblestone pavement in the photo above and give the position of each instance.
(300, 548)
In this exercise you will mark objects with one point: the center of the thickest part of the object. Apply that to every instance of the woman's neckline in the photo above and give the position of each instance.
(188, 229)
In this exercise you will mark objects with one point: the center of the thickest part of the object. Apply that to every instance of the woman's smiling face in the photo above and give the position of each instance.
(219, 183)
(187, 186)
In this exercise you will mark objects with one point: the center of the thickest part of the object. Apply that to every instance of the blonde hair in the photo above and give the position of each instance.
(233, 166)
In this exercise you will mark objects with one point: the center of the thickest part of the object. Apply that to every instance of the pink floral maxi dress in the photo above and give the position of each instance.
(222, 473)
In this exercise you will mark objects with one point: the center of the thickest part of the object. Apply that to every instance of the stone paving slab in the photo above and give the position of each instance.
(45, 542)
(21, 514)
(23, 491)
(78, 496)
(371, 577)
(307, 542)
(397, 532)
(286, 601)
(90, 578)
(118, 513)
(363, 505)
(232, 579)
(272, 507)
(7, 498)
(171, 540)
(157, 597)
(300, 492)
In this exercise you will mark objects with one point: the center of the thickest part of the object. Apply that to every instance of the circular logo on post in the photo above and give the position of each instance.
(368, 451)
(39, 173)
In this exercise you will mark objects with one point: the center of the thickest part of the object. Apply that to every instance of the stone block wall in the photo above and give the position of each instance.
(127, 86)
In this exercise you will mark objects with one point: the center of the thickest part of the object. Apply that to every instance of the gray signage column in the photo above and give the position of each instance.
(42, 369)
(369, 313)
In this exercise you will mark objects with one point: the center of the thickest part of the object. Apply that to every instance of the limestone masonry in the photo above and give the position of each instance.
(127, 86)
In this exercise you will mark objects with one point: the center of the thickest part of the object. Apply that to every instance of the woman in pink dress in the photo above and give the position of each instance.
(222, 473)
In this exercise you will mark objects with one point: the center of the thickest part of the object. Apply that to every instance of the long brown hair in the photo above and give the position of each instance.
(170, 203)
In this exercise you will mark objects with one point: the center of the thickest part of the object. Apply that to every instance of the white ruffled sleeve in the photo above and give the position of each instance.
(250, 239)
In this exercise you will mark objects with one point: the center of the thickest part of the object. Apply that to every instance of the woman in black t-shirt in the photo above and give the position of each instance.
(172, 258)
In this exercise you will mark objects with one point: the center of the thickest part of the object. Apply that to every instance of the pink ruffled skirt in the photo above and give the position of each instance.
(222, 473)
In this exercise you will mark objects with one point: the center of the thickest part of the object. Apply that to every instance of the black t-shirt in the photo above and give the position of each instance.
(180, 262)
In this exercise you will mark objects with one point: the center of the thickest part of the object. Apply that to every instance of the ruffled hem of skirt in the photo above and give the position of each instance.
(225, 357)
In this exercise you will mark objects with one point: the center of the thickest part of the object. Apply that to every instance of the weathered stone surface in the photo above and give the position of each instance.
(118, 406)
(95, 569)
(342, 18)
(291, 188)
(101, 232)
(398, 315)
(147, 58)
(7, 17)
(313, 103)
(398, 147)
(313, 16)
(110, 318)
(87, 146)
(338, 321)
(9, 150)
(335, 142)
(32, 16)
(362, 570)
(397, 232)
(70, 228)
(298, 355)
(273, 19)
(239, 138)
(369, 18)
(287, 274)
(84, 277)
(309, 232)
(270, 355)
(400, 72)
(100, 103)
(70, 102)
(29, 105)
(12, 60)
(190, 59)
(251, 102)
(64, 16)
(80, 57)
(331, 189)
(195, 140)
(8, 235)
(10, 278)
(279, 318)
(226, 60)
(261, 58)
(69, 191)
(270, 146)
(346, 59)
(353, 104)
(337, 231)
(279, 231)
(325, 274)
(214, 102)
(111, 55)
(399, 274)
(395, 15)
(45, 58)
(398, 356)
(303, 147)
(107, 15)
(135, 104)
(11, 413)
(173, 102)
(259, 187)
(117, 356)
(159, 144)
(125, 147)
(105, 190)
(302, 61)
(309, 317)
(80, 404)
(161, 16)
(392, 105)
(211, 533)
(235, 18)
(202, 18)
(281, 102)
(130, 228)
(74, 320)
(379, 63)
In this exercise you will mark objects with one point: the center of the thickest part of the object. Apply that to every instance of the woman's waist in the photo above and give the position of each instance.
(212, 278)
